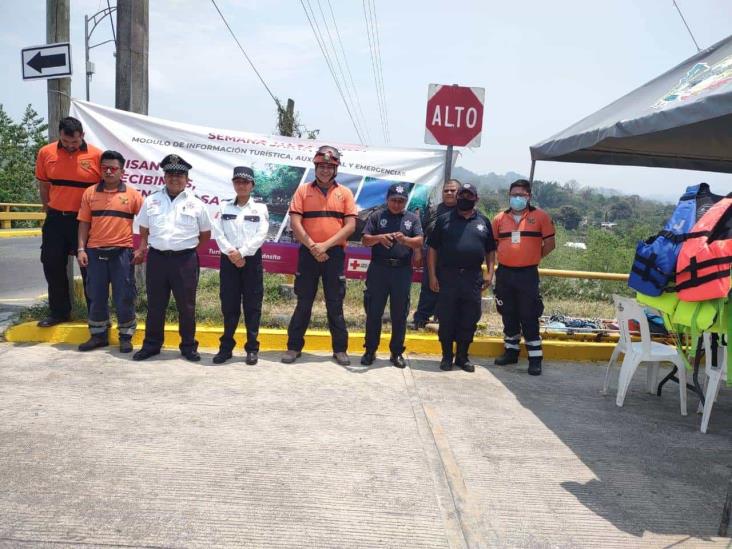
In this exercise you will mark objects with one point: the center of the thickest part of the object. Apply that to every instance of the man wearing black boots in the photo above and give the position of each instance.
(459, 244)
(393, 234)
(525, 235)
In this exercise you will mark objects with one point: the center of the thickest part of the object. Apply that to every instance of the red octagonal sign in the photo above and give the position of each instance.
(454, 115)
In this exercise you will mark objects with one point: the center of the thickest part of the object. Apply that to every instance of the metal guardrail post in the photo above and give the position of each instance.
(7, 224)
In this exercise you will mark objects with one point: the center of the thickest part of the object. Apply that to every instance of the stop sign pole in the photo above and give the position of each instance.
(454, 118)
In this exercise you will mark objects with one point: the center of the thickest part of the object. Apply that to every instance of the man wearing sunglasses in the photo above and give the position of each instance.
(105, 250)
(525, 235)
(427, 298)
(323, 216)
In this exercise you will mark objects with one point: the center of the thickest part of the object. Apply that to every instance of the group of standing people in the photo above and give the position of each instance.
(90, 214)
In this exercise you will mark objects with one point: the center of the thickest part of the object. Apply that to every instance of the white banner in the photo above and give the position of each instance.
(280, 163)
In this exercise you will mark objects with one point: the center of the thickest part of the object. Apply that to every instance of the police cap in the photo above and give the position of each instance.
(467, 188)
(398, 190)
(174, 164)
(243, 172)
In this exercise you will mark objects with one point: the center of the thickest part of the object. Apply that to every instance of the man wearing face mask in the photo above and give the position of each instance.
(459, 244)
(525, 235)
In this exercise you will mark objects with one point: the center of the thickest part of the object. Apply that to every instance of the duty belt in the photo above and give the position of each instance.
(392, 262)
(172, 252)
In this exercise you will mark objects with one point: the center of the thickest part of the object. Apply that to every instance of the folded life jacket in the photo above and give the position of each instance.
(654, 264)
(704, 262)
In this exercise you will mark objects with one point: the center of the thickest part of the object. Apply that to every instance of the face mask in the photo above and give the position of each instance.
(465, 204)
(518, 203)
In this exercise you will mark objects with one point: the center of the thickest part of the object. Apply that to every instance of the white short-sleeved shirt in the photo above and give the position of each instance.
(243, 228)
(174, 224)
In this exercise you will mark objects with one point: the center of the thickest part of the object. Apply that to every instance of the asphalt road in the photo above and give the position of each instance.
(21, 275)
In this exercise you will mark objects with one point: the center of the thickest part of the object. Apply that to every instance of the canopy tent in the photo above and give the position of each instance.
(681, 119)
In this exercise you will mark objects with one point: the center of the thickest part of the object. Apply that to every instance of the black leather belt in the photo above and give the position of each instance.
(460, 270)
(172, 252)
(52, 211)
(390, 262)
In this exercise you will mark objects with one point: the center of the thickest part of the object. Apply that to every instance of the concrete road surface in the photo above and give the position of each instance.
(100, 451)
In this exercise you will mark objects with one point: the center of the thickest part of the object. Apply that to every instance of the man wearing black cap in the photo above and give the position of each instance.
(459, 243)
(174, 222)
(393, 234)
(240, 228)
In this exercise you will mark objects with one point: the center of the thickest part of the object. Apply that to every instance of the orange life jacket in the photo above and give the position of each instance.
(703, 266)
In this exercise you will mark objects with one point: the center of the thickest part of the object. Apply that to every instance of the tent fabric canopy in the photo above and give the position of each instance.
(681, 119)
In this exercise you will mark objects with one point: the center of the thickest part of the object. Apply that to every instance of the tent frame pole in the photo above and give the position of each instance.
(531, 174)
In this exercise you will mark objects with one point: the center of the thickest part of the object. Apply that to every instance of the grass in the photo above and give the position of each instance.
(278, 307)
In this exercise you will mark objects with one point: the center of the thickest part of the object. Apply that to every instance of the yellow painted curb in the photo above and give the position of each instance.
(315, 340)
(18, 233)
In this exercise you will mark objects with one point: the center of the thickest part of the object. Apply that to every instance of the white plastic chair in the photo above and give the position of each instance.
(715, 375)
(651, 370)
(638, 352)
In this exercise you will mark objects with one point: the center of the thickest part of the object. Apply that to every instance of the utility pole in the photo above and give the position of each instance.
(59, 92)
(59, 89)
(133, 27)
(131, 82)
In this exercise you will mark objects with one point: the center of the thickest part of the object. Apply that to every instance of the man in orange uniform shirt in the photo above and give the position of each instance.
(64, 170)
(323, 216)
(525, 234)
(105, 249)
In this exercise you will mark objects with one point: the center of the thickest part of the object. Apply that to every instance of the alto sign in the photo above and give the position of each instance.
(454, 115)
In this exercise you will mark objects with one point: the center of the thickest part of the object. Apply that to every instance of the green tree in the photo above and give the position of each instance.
(569, 216)
(19, 144)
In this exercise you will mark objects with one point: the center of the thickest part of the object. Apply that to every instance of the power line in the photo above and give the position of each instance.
(111, 23)
(381, 69)
(351, 90)
(277, 102)
(375, 67)
(313, 24)
(698, 49)
(326, 54)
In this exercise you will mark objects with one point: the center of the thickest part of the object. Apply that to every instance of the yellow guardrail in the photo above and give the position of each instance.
(7, 217)
(588, 275)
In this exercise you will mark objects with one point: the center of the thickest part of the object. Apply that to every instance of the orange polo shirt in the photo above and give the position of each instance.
(68, 173)
(110, 214)
(323, 215)
(520, 244)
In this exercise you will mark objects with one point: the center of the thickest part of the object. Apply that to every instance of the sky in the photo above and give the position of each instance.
(544, 66)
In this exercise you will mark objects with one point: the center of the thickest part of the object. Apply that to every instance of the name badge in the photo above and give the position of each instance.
(254, 218)
(228, 217)
(515, 237)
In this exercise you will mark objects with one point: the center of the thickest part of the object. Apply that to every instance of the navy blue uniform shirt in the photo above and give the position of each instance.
(462, 243)
(382, 221)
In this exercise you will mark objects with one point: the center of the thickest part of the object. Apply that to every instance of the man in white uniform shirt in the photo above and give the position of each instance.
(174, 222)
(240, 228)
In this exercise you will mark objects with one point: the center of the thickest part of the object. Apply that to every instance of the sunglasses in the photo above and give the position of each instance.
(110, 169)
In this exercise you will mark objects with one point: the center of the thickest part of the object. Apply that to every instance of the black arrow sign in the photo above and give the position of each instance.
(40, 62)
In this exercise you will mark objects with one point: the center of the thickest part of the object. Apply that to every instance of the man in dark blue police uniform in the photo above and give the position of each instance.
(427, 298)
(393, 234)
(459, 244)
